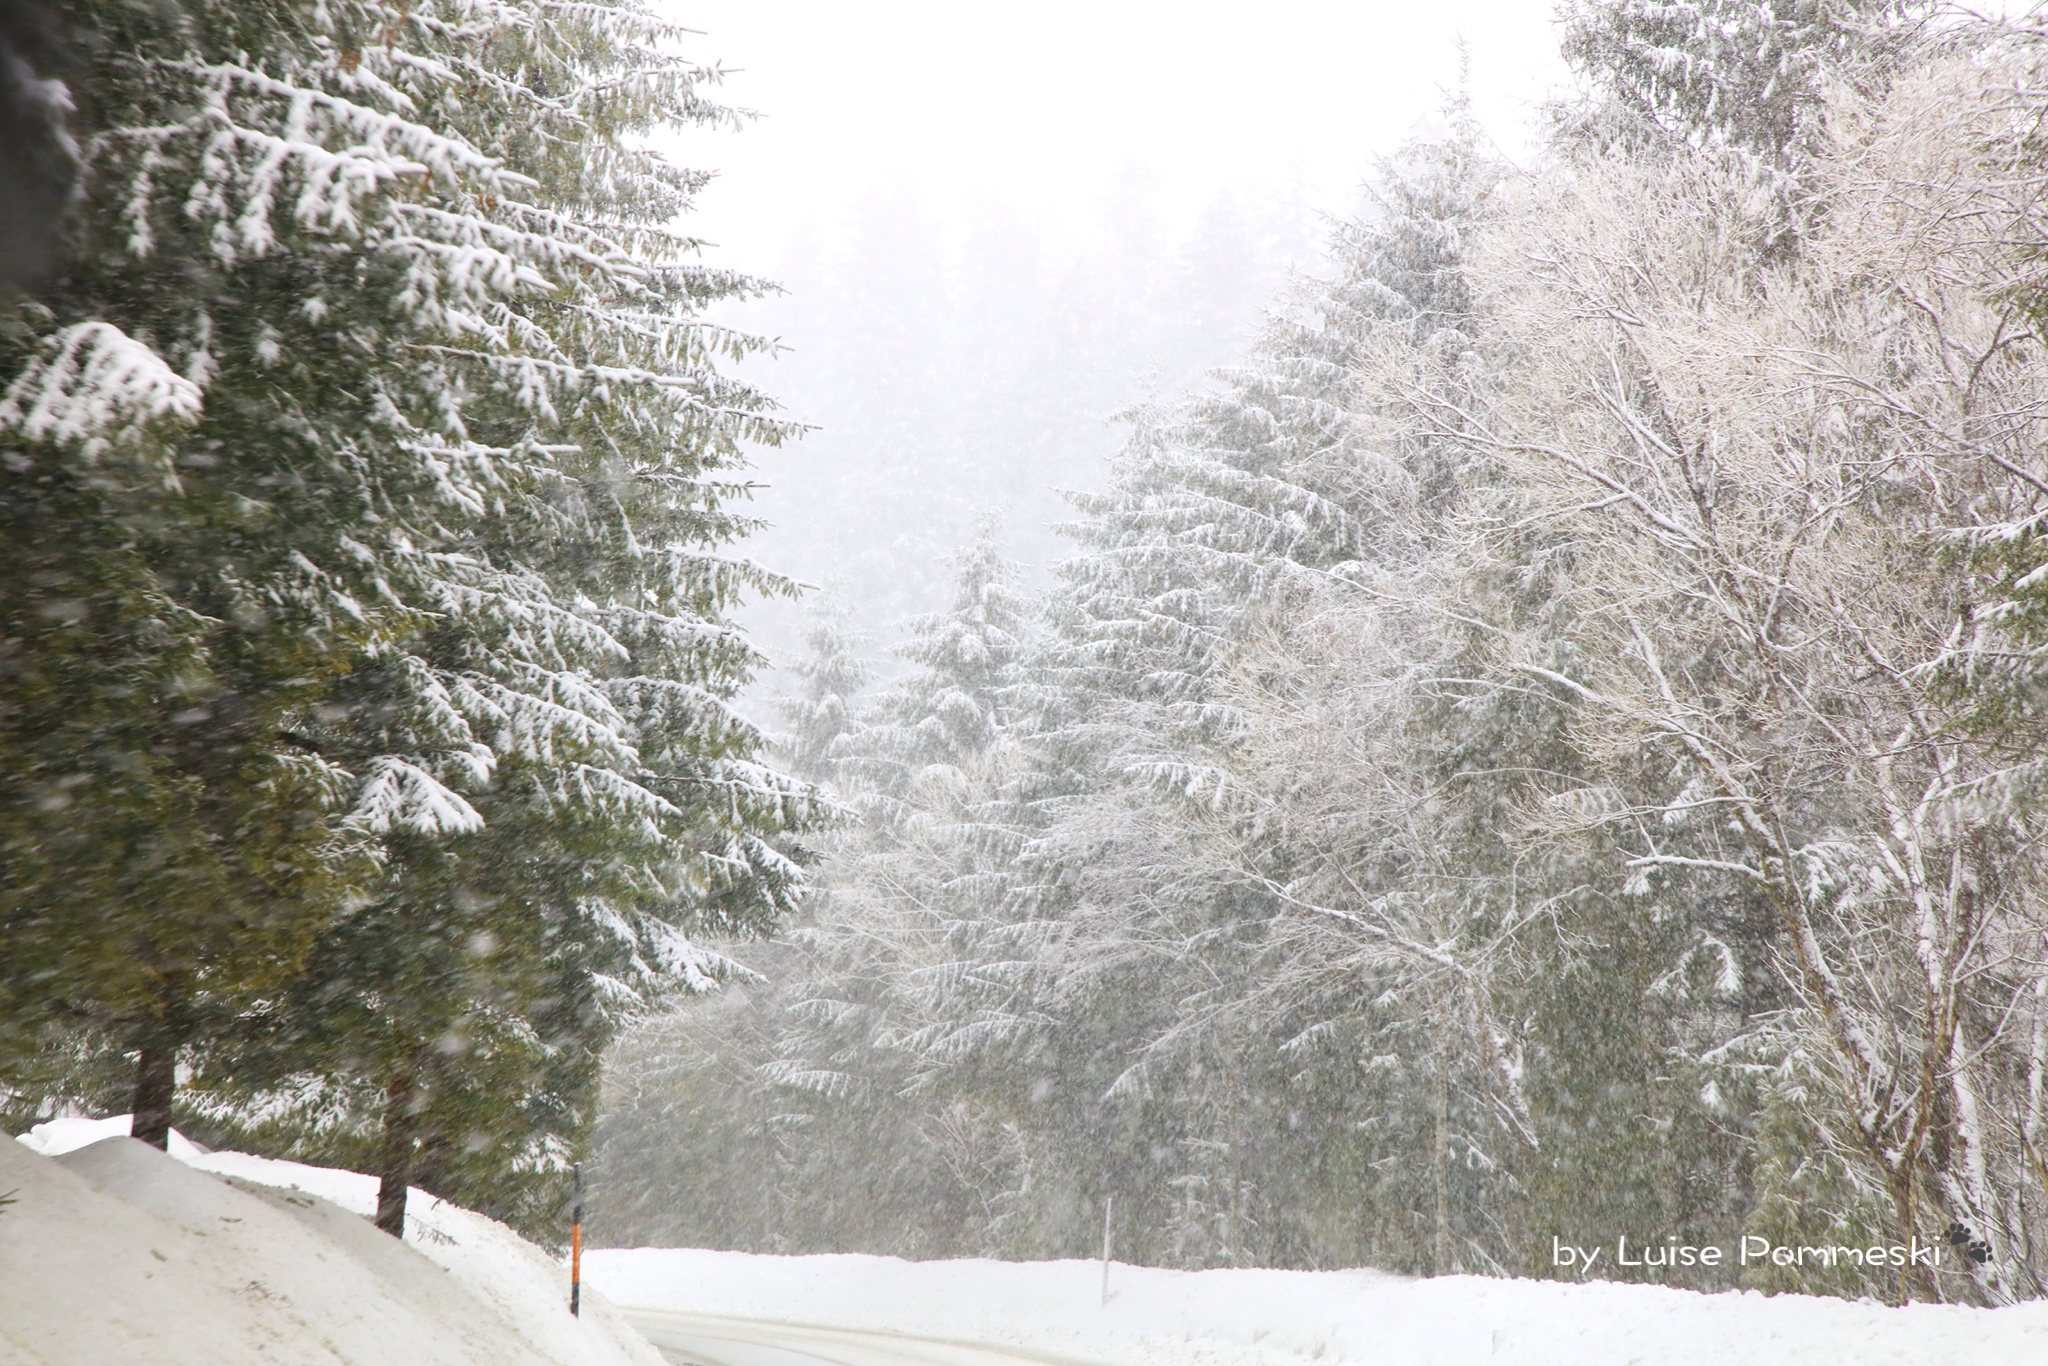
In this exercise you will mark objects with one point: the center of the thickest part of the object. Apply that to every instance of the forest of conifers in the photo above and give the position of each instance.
(1548, 746)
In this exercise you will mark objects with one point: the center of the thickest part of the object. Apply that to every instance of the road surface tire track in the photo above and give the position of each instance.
(718, 1340)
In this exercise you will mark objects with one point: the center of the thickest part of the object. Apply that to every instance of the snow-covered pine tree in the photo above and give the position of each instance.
(625, 804)
(831, 679)
(454, 498)
(1229, 519)
(1742, 83)
(1728, 75)
(897, 1020)
(696, 1142)
(240, 538)
(694, 1145)
(922, 962)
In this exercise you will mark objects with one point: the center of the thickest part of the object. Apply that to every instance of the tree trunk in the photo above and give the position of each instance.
(156, 1084)
(1440, 1161)
(1234, 1211)
(394, 1168)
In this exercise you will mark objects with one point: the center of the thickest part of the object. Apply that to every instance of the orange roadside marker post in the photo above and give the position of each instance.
(576, 1243)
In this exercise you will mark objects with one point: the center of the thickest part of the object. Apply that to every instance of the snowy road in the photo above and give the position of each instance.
(711, 1340)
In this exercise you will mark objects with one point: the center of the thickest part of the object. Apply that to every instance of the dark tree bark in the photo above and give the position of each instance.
(156, 1084)
(39, 165)
(394, 1168)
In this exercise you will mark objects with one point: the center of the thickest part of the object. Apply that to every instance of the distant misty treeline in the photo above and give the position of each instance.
(1550, 746)
(944, 374)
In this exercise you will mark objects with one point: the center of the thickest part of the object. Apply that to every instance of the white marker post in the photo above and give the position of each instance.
(1108, 1207)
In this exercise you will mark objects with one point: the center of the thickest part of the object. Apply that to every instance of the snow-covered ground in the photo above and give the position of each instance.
(1291, 1318)
(111, 1252)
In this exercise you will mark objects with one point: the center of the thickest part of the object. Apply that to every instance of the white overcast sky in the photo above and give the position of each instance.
(1042, 110)
(1033, 143)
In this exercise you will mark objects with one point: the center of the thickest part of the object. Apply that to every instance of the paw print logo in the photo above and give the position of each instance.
(1976, 1249)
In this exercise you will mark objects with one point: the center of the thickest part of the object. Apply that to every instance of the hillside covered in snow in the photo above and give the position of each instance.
(112, 1252)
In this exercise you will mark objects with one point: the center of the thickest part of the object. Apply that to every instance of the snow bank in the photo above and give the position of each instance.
(112, 1252)
(1284, 1318)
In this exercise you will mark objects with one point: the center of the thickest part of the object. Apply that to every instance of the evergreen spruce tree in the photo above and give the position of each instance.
(417, 485)
(1729, 75)
(830, 680)
(264, 524)
(915, 958)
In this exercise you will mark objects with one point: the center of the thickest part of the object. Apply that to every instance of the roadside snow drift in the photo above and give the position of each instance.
(112, 1252)
(1287, 1318)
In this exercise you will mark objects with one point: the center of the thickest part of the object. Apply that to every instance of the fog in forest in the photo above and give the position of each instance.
(1295, 637)
(1036, 222)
